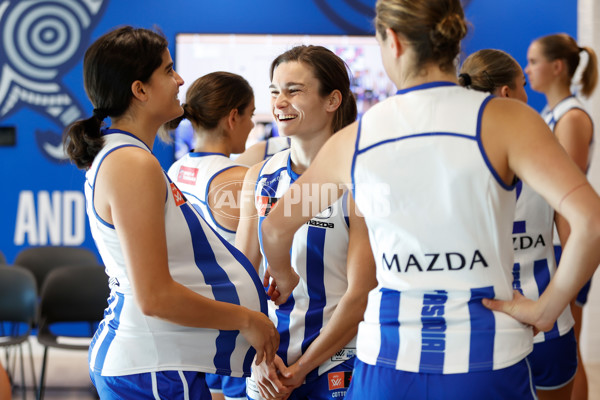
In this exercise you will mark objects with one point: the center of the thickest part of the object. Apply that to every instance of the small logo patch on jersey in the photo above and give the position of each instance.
(343, 355)
(177, 195)
(264, 204)
(187, 175)
(326, 213)
(339, 380)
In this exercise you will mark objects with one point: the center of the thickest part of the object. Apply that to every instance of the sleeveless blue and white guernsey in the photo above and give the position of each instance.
(535, 262)
(275, 144)
(318, 255)
(440, 222)
(193, 174)
(129, 342)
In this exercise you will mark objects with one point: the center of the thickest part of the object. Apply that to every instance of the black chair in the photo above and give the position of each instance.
(18, 307)
(41, 260)
(70, 294)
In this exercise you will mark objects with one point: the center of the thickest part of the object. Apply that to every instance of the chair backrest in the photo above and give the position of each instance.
(75, 293)
(41, 260)
(2, 258)
(18, 295)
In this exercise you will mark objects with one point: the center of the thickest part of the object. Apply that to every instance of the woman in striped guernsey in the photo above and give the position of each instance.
(553, 360)
(183, 302)
(310, 100)
(433, 171)
(552, 63)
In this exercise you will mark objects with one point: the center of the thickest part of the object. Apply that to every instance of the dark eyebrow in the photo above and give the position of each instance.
(288, 84)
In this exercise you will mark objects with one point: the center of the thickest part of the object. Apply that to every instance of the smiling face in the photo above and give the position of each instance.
(163, 88)
(297, 106)
(539, 69)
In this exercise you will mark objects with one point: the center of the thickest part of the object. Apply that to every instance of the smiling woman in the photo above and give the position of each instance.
(310, 100)
(183, 303)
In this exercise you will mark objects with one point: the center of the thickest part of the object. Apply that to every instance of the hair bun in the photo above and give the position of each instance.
(465, 79)
(452, 28)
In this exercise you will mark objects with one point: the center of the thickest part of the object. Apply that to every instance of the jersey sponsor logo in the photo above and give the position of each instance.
(344, 354)
(320, 224)
(187, 175)
(113, 282)
(177, 195)
(526, 242)
(339, 380)
(264, 204)
(452, 261)
(433, 335)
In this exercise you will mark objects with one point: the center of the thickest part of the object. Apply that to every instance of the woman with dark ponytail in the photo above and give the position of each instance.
(183, 303)
(310, 101)
(433, 170)
(553, 61)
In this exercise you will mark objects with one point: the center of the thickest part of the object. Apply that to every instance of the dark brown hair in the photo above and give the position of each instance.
(212, 97)
(110, 65)
(332, 74)
(433, 27)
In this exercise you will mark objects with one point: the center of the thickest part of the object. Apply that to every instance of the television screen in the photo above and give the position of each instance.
(251, 55)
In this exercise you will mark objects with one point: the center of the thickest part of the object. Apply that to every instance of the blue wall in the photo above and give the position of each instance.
(41, 80)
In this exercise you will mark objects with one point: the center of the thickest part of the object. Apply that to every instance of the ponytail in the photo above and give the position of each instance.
(82, 141)
(589, 77)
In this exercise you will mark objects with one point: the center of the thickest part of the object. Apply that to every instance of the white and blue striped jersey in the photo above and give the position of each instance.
(275, 145)
(535, 261)
(193, 174)
(129, 342)
(318, 255)
(440, 222)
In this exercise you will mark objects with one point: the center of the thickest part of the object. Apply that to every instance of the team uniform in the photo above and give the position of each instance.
(193, 175)
(130, 347)
(554, 357)
(318, 255)
(440, 223)
(552, 116)
(274, 145)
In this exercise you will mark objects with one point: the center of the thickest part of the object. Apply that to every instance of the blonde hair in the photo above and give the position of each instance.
(433, 27)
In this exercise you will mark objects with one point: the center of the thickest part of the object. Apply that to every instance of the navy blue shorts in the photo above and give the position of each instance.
(230, 387)
(331, 385)
(582, 296)
(554, 362)
(152, 385)
(383, 383)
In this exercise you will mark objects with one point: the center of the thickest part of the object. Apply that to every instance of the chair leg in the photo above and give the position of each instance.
(22, 372)
(33, 378)
(43, 375)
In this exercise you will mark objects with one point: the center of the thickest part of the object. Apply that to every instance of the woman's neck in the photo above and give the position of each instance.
(212, 142)
(303, 151)
(143, 130)
(428, 73)
(557, 93)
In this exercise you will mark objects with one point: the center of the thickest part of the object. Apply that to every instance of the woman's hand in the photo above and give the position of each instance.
(262, 335)
(522, 309)
(267, 378)
(281, 287)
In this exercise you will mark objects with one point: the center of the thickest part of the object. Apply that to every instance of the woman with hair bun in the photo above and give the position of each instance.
(433, 170)
(183, 303)
(552, 62)
(553, 360)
